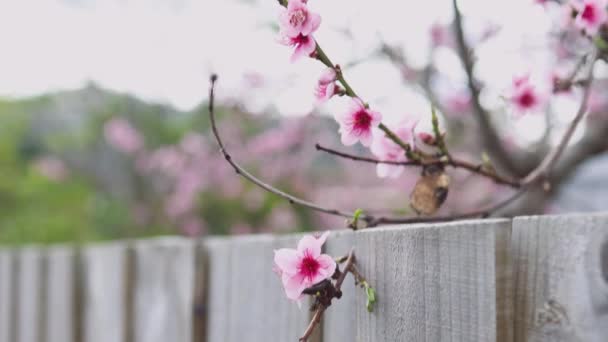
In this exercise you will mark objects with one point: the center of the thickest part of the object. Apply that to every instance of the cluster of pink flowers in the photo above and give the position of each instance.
(122, 135)
(297, 24)
(303, 267)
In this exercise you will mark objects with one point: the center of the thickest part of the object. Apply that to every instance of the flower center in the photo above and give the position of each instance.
(300, 39)
(297, 18)
(589, 13)
(362, 120)
(527, 99)
(309, 266)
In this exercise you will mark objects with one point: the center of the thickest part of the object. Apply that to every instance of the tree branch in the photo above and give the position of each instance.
(241, 171)
(316, 319)
(455, 163)
(489, 134)
(371, 220)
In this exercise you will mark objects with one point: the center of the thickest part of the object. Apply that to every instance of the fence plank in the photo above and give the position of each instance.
(218, 309)
(59, 289)
(103, 268)
(250, 277)
(339, 320)
(246, 301)
(561, 272)
(199, 322)
(29, 304)
(164, 290)
(434, 282)
(5, 295)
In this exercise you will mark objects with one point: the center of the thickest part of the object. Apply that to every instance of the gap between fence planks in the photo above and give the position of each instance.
(528, 279)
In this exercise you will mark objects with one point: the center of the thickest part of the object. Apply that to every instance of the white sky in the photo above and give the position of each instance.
(164, 50)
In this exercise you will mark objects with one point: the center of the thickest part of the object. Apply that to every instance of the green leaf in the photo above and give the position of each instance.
(371, 298)
(600, 43)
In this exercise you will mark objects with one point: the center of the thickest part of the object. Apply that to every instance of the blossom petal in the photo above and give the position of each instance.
(310, 244)
(376, 117)
(323, 237)
(348, 138)
(287, 260)
(366, 138)
(391, 171)
(294, 285)
(304, 48)
(313, 23)
(327, 268)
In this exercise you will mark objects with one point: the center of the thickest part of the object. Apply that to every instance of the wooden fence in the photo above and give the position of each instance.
(528, 279)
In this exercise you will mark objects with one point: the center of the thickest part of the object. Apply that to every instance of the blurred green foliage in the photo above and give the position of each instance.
(96, 201)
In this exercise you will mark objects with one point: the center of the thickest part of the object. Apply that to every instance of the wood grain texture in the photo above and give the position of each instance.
(5, 295)
(339, 320)
(103, 273)
(246, 300)
(199, 322)
(59, 290)
(434, 282)
(163, 290)
(561, 278)
(218, 310)
(29, 303)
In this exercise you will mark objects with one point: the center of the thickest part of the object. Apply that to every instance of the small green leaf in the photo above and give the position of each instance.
(354, 223)
(371, 298)
(600, 43)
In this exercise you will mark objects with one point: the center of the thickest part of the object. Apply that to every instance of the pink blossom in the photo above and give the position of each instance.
(524, 95)
(326, 86)
(387, 150)
(304, 45)
(303, 267)
(296, 20)
(440, 35)
(193, 227)
(120, 134)
(357, 123)
(458, 103)
(52, 168)
(591, 15)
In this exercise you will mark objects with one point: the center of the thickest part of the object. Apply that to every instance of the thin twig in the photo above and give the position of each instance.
(241, 171)
(490, 136)
(546, 166)
(455, 163)
(316, 318)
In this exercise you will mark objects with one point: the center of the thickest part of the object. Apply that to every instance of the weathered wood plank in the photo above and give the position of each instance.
(59, 290)
(164, 290)
(5, 295)
(199, 322)
(218, 309)
(104, 292)
(505, 284)
(561, 273)
(29, 303)
(340, 319)
(434, 282)
(246, 300)
(250, 285)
